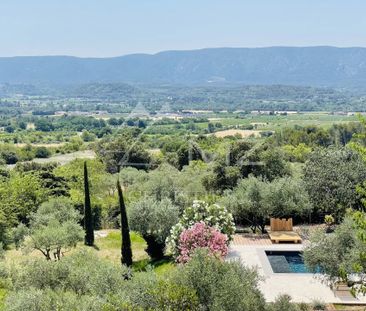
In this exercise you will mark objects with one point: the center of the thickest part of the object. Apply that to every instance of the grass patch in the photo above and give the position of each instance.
(3, 293)
(108, 246)
(164, 267)
(113, 240)
(160, 266)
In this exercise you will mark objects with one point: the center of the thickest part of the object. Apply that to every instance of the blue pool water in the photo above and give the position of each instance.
(286, 262)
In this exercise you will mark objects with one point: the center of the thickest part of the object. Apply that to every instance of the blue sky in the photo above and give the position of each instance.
(117, 27)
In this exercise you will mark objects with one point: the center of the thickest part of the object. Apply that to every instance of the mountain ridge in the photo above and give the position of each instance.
(322, 66)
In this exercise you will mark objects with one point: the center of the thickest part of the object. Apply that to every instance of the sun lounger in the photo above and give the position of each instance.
(284, 236)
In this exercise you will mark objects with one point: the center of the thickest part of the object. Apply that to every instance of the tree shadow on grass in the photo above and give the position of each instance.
(146, 264)
(96, 247)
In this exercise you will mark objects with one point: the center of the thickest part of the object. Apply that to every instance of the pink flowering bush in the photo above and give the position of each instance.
(213, 215)
(201, 235)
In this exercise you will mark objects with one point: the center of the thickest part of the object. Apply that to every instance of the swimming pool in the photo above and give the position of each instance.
(287, 262)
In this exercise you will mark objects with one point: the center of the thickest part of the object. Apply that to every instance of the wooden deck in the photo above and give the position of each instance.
(343, 292)
(284, 236)
(251, 239)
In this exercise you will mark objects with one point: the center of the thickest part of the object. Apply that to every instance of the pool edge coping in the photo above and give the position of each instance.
(266, 265)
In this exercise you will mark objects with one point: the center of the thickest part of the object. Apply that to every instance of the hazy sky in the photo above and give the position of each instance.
(117, 27)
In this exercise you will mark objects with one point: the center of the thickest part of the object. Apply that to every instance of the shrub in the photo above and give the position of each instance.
(82, 281)
(87, 136)
(304, 306)
(213, 215)
(10, 157)
(147, 291)
(171, 296)
(221, 285)
(329, 222)
(82, 272)
(42, 152)
(201, 236)
(318, 305)
(18, 234)
(283, 302)
(45, 300)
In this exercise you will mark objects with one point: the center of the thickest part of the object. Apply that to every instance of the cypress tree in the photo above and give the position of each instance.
(126, 250)
(88, 216)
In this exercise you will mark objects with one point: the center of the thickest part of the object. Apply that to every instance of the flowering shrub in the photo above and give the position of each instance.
(201, 235)
(215, 216)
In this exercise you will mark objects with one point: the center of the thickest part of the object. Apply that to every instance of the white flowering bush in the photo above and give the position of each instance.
(214, 215)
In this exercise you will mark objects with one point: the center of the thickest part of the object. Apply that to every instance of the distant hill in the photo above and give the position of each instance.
(311, 66)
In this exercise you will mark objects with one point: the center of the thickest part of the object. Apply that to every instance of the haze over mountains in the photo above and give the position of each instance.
(304, 66)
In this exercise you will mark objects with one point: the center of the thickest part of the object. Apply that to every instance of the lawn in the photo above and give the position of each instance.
(108, 246)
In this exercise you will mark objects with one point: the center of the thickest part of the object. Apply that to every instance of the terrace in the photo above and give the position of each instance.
(282, 271)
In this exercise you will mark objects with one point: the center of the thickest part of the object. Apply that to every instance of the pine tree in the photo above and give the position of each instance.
(126, 250)
(88, 216)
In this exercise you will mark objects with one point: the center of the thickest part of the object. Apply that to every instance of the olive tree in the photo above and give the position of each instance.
(153, 220)
(331, 178)
(255, 200)
(162, 183)
(121, 152)
(248, 204)
(54, 229)
(340, 254)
